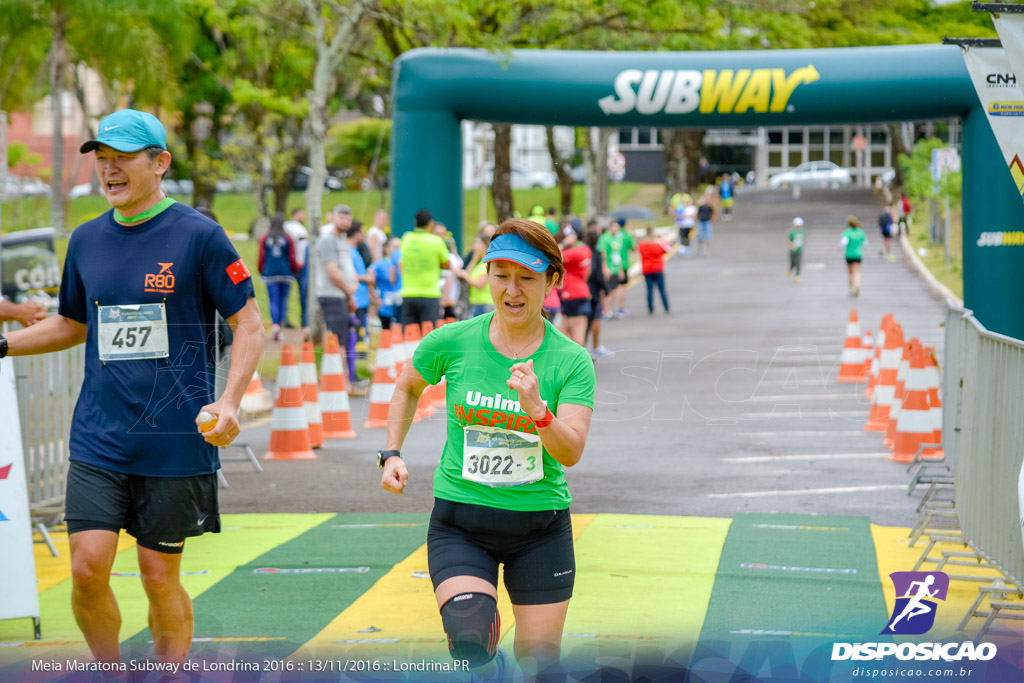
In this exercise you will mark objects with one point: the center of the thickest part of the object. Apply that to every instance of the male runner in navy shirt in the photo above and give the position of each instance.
(140, 288)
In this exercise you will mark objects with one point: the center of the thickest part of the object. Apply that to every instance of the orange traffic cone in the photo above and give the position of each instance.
(899, 394)
(412, 339)
(851, 363)
(931, 368)
(877, 352)
(383, 387)
(398, 349)
(424, 408)
(867, 345)
(310, 397)
(429, 397)
(333, 396)
(885, 389)
(914, 425)
(256, 399)
(289, 431)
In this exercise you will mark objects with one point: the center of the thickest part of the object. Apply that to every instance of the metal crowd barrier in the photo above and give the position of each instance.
(983, 398)
(48, 387)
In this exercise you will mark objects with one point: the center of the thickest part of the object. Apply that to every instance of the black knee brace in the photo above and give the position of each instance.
(473, 627)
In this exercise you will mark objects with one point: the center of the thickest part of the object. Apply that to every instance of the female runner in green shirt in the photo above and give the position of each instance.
(520, 395)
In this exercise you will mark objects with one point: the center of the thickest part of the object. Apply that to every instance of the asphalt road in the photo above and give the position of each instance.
(729, 403)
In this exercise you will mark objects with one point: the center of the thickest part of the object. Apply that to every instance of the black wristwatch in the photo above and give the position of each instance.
(384, 455)
(3, 346)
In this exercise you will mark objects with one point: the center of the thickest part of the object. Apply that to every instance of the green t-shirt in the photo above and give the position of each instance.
(482, 295)
(797, 238)
(616, 249)
(552, 225)
(422, 256)
(477, 394)
(855, 239)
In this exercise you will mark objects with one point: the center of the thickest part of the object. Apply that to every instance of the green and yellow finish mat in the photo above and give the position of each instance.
(348, 597)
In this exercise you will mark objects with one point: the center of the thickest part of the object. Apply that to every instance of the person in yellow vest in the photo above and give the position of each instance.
(424, 256)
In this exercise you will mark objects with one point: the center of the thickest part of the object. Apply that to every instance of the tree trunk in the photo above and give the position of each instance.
(58, 67)
(898, 148)
(501, 181)
(595, 160)
(693, 149)
(565, 181)
(330, 53)
(676, 179)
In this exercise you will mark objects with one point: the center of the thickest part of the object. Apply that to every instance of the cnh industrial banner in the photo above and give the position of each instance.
(1011, 33)
(18, 596)
(1000, 95)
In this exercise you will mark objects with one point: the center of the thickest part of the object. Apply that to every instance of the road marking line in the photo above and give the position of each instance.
(820, 456)
(255, 423)
(802, 397)
(788, 568)
(804, 413)
(801, 492)
(837, 432)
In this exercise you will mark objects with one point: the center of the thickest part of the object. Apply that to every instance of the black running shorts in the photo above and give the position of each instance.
(418, 310)
(535, 547)
(575, 308)
(160, 512)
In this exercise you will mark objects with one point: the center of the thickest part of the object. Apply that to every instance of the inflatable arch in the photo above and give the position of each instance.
(435, 89)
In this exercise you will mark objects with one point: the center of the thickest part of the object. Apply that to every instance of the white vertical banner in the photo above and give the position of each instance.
(1001, 96)
(19, 597)
(1010, 28)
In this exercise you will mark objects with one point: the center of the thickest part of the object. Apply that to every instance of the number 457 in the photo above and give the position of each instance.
(130, 337)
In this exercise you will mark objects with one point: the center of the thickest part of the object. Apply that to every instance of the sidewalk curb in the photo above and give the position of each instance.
(937, 288)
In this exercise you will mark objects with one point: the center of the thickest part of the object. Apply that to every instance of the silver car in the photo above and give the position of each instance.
(813, 174)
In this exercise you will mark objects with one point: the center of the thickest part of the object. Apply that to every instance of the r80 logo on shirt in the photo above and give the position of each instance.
(162, 282)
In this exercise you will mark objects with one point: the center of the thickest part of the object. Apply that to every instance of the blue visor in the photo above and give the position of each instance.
(512, 247)
(128, 130)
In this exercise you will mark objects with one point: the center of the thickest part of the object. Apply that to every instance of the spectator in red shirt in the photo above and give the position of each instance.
(652, 258)
(576, 258)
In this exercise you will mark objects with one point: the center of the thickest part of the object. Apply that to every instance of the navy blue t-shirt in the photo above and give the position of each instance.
(138, 416)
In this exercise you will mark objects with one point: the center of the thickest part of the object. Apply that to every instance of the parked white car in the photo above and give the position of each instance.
(522, 178)
(813, 174)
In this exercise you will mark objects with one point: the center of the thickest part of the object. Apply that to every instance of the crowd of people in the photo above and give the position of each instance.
(366, 273)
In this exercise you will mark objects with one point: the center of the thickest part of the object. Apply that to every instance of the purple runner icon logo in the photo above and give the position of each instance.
(916, 596)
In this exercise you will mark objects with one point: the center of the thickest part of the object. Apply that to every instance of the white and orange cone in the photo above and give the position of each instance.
(931, 368)
(398, 349)
(337, 412)
(867, 345)
(914, 424)
(383, 387)
(289, 431)
(899, 394)
(851, 363)
(310, 396)
(887, 322)
(425, 407)
(885, 388)
(256, 399)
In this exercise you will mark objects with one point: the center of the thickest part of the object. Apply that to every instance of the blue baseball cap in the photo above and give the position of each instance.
(128, 130)
(512, 247)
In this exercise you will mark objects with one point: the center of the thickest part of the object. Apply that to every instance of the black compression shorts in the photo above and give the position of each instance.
(535, 547)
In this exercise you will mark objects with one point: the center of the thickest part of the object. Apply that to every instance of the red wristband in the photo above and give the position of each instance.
(545, 421)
